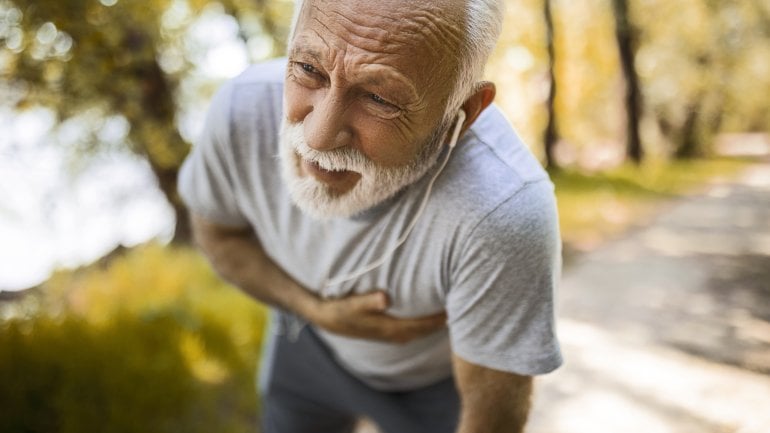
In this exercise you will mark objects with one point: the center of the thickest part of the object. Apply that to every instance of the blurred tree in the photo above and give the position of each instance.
(734, 28)
(585, 70)
(111, 58)
(625, 34)
(706, 73)
(702, 67)
(517, 66)
(703, 63)
(551, 130)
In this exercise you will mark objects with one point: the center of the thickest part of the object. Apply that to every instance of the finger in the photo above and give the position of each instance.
(374, 301)
(426, 324)
(404, 330)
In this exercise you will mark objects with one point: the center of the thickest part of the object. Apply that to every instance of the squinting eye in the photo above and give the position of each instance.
(308, 68)
(378, 99)
(382, 106)
(307, 75)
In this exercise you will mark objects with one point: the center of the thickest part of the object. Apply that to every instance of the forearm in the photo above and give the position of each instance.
(238, 257)
(494, 417)
(492, 401)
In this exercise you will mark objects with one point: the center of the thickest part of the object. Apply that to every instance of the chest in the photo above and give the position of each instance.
(345, 257)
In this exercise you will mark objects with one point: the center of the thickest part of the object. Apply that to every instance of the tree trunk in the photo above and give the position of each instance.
(165, 174)
(167, 181)
(155, 134)
(550, 136)
(625, 35)
(688, 145)
(702, 124)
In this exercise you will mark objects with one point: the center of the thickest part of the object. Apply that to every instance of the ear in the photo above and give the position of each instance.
(477, 102)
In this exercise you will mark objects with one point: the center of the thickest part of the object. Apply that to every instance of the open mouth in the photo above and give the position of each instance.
(338, 180)
(315, 169)
(318, 166)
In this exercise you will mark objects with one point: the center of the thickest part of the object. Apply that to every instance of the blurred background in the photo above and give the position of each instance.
(652, 116)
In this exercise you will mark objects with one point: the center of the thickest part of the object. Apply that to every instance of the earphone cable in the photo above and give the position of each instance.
(383, 259)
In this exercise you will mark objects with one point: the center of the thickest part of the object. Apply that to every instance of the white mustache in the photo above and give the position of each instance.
(340, 159)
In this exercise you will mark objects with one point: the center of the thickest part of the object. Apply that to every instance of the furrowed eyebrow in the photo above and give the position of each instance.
(304, 51)
(392, 82)
(396, 84)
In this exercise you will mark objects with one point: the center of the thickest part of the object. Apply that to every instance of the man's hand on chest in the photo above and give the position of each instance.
(364, 316)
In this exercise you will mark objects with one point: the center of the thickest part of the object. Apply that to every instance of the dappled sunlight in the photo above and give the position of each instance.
(202, 365)
(676, 243)
(758, 177)
(743, 144)
(613, 383)
(593, 208)
(711, 226)
(667, 329)
(580, 415)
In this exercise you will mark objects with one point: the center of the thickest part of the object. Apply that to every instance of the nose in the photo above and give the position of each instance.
(325, 126)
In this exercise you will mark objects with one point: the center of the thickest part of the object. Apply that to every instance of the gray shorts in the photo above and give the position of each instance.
(304, 390)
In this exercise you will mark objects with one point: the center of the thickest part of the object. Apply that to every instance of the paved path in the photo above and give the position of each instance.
(667, 330)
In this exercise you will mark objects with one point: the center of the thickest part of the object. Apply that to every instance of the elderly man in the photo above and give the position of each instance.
(411, 273)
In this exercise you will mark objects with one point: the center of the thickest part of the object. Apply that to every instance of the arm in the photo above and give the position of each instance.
(492, 401)
(501, 311)
(236, 254)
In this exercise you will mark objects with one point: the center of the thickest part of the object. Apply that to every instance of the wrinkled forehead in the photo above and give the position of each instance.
(425, 33)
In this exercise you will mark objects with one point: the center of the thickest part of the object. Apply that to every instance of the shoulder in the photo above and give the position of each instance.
(494, 184)
(265, 73)
(245, 112)
(506, 153)
(524, 224)
(256, 91)
(243, 123)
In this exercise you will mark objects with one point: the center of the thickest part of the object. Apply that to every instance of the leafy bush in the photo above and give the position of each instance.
(151, 342)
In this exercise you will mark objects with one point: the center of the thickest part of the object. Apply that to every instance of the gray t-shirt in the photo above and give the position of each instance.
(486, 249)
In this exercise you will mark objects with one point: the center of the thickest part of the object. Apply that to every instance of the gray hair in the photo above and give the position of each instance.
(484, 22)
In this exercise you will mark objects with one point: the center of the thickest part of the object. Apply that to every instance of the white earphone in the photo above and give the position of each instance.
(458, 128)
(379, 262)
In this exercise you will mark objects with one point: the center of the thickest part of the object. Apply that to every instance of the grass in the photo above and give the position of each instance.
(598, 206)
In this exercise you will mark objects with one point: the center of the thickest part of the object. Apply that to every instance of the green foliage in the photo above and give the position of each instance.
(704, 68)
(92, 60)
(132, 60)
(151, 342)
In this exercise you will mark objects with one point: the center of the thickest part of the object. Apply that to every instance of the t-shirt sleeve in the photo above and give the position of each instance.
(206, 182)
(500, 305)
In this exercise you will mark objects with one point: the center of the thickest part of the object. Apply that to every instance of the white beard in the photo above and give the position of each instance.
(376, 184)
